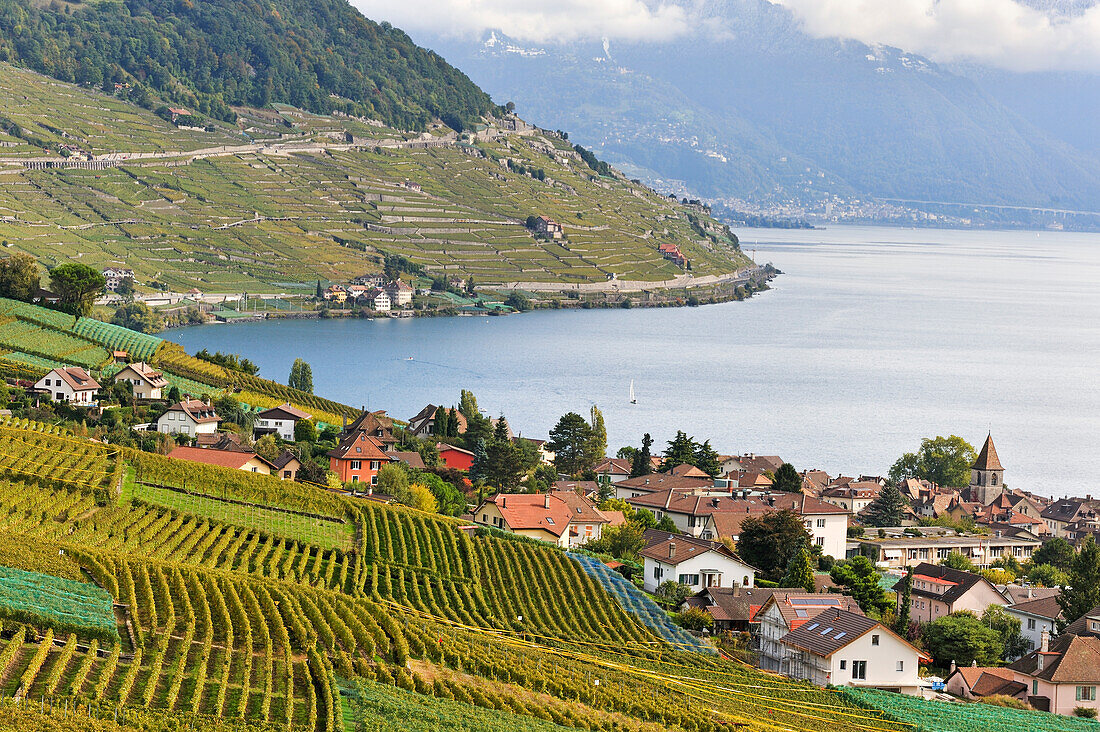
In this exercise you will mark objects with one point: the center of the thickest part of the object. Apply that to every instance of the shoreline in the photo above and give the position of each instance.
(692, 292)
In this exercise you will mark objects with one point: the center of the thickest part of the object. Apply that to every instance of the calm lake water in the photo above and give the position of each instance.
(873, 338)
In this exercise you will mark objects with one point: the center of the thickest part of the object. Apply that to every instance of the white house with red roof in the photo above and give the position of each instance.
(784, 612)
(69, 384)
(696, 563)
(279, 420)
(564, 518)
(236, 459)
(146, 381)
(189, 417)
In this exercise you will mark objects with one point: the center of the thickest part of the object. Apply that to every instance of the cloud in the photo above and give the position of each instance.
(1061, 36)
(539, 21)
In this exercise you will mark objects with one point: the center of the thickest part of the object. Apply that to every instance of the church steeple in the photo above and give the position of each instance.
(987, 474)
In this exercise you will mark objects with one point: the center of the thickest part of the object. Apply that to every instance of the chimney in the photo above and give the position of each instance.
(1044, 642)
(504, 501)
(736, 590)
(953, 667)
(546, 501)
(1030, 593)
(974, 663)
(672, 550)
(647, 481)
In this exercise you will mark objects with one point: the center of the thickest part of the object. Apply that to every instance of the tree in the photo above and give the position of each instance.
(467, 404)
(569, 441)
(787, 479)
(905, 597)
(19, 277)
(768, 541)
(667, 524)
(1047, 575)
(672, 594)
(644, 519)
(312, 472)
(945, 461)
(301, 376)
(958, 560)
(1056, 552)
(622, 542)
(642, 463)
(137, 316)
(393, 480)
(597, 441)
(706, 459)
(480, 464)
(418, 496)
(1013, 644)
(860, 578)
(1082, 593)
(504, 468)
(267, 447)
(305, 431)
(963, 638)
(77, 286)
(125, 288)
(800, 572)
(319, 293)
(680, 450)
(449, 499)
(887, 509)
(695, 618)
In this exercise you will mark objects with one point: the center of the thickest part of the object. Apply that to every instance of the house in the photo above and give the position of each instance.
(845, 648)
(898, 552)
(115, 275)
(734, 608)
(560, 517)
(784, 612)
(222, 441)
(752, 463)
(692, 562)
(613, 470)
(69, 384)
(286, 466)
(423, 424)
(335, 293)
(247, 461)
(177, 112)
(654, 482)
(378, 300)
(853, 497)
(974, 682)
(1037, 616)
(189, 417)
(1060, 515)
(1062, 674)
(455, 458)
(411, 458)
(147, 382)
(375, 424)
(359, 456)
(549, 228)
(401, 293)
(938, 591)
(280, 421)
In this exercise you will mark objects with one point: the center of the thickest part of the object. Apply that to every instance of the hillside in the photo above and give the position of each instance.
(750, 106)
(288, 197)
(321, 55)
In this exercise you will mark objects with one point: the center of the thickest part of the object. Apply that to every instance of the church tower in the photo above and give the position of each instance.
(987, 475)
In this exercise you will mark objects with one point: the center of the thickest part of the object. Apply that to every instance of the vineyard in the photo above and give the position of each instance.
(116, 338)
(37, 451)
(932, 716)
(226, 612)
(60, 604)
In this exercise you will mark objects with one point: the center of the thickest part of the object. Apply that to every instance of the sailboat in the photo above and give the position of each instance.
(632, 399)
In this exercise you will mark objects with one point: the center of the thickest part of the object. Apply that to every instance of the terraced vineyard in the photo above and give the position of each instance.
(302, 203)
(238, 616)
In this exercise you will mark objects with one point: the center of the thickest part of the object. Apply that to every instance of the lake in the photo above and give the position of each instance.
(872, 339)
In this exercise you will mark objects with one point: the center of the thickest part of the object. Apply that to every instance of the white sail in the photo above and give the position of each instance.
(632, 399)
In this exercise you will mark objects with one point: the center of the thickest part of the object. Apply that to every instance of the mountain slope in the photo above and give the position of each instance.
(320, 55)
(287, 198)
(752, 107)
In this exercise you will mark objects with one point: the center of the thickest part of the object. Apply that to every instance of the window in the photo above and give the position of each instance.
(355, 479)
(255, 470)
(859, 670)
(355, 464)
(874, 639)
(691, 522)
(286, 475)
(374, 465)
(1086, 693)
(820, 541)
(1034, 687)
(843, 665)
(1031, 624)
(901, 666)
(658, 573)
(691, 580)
(549, 520)
(821, 523)
(358, 449)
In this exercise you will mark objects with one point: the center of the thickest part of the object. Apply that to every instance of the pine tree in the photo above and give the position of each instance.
(680, 450)
(706, 459)
(800, 572)
(597, 443)
(481, 458)
(440, 422)
(642, 463)
(320, 292)
(787, 479)
(503, 463)
(886, 510)
(452, 422)
(1082, 593)
(901, 623)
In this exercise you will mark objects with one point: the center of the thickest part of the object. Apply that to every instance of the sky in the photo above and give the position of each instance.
(1018, 35)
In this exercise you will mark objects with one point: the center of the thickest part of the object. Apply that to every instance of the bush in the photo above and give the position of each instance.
(695, 618)
(1001, 700)
(1085, 712)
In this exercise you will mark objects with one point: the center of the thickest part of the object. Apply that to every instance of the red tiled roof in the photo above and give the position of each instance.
(224, 458)
(199, 411)
(155, 378)
(284, 409)
(529, 511)
(797, 608)
(359, 445)
(77, 378)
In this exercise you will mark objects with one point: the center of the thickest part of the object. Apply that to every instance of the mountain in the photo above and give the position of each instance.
(752, 107)
(283, 198)
(319, 55)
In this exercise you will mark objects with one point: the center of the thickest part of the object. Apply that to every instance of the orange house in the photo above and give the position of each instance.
(359, 457)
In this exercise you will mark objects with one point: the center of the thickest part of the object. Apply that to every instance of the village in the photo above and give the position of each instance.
(975, 592)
